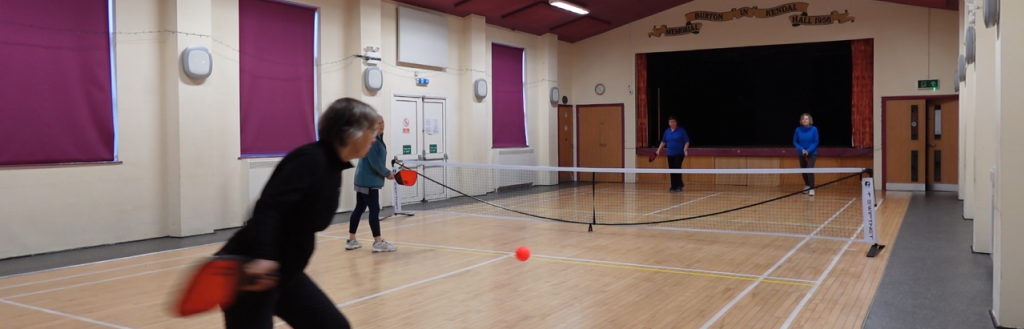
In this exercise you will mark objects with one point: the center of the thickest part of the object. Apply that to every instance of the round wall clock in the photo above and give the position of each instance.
(599, 89)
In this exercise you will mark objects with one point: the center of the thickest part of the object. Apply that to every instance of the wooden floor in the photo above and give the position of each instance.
(456, 271)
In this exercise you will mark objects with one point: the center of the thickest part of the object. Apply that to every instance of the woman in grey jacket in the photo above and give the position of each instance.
(370, 175)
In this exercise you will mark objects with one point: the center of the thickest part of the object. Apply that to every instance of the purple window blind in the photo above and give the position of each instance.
(56, 94)
(508, 107)
(276, 87)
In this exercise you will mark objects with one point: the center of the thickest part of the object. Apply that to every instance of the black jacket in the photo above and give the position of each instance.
(299, 200)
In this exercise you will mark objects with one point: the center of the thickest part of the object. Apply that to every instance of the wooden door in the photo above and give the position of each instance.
(566, 131)
(905, 140)
(943, 145)
(601, 141)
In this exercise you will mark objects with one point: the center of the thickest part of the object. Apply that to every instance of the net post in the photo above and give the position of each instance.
(593, 194)
(396, 196)
(870, 220)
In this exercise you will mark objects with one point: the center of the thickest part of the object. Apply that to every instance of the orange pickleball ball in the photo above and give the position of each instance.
(523, 253)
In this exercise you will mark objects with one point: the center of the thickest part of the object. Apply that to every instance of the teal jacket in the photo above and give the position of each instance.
(371, 171)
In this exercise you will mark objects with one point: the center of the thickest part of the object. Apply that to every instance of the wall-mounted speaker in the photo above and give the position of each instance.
(373, 78)
(991, 13)
(197, 62)
(962, 68)
(956, 80)
(480, 88)
(970, 44)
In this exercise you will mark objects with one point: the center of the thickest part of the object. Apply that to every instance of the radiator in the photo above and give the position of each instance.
(257, 173)
(518, 178)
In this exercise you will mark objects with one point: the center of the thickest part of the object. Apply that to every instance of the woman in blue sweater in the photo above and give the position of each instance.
(370, 174)
(806, 141)
(677, 142)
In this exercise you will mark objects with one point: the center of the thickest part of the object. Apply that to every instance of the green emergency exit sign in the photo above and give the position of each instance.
(406, 149)
(928, 84)
(433, 148)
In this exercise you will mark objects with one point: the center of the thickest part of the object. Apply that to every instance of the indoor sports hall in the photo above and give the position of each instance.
(545, 163)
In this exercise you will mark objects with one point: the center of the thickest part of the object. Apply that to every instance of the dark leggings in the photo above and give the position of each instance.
(676, 162)
(299, 302)
(362, 201)
(808, 162)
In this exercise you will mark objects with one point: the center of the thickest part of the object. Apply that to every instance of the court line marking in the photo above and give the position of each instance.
(357, 300)
(623, 265)
(79, 318)
(807, 297)
(105, 261)
(682, 204)
(735, 300)
(835, 260)
(164, 260)
(98, 281)
(7, 299)
(98, 272)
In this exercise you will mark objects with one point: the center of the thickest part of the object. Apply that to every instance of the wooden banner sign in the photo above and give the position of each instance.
(752, 12)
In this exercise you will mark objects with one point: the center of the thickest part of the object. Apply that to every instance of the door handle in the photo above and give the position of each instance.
(931, 145)
(603, 144)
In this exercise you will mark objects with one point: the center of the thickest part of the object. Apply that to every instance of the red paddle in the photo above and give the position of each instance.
(406, 177)
(213, 284)
(652, 157)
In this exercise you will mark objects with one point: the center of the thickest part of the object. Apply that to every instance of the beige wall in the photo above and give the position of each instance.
(911, 43)
(179, 138)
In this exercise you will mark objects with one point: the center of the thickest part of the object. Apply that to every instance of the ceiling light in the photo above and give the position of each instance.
(569, 6)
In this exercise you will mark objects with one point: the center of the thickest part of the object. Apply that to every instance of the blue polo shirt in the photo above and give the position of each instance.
(675, 140)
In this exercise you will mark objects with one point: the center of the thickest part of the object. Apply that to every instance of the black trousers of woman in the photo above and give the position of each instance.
(299, 302)
(808, 162)
(371, 200)
(676, 162)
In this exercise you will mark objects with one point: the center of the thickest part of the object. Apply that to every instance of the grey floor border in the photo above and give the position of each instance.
(933, 280)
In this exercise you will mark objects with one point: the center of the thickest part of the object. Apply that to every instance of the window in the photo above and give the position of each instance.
(277, 76)
(58, 100)
(508, 107)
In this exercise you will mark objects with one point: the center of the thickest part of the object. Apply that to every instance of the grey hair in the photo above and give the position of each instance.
(809, 118)
(346, 120)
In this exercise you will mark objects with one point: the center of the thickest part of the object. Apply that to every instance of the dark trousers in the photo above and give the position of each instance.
(371, 200)
(808, 162)
(298, 302)
(676, 162)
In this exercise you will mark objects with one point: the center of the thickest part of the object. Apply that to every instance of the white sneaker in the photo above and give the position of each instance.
(806, 188)
(811, 193)
(353, 244)
(384, 246)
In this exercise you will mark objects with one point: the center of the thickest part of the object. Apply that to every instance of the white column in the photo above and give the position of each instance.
(1008, 271)
(195, 139)
(984, 133)
(968, 106)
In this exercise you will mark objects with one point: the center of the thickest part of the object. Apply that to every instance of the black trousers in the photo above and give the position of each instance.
(808, 162)
(363, 201)
(676, 162)
(299, 302)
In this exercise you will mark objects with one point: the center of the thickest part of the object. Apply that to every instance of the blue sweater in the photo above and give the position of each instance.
(675, 141)
(806, 138)
(371, 172)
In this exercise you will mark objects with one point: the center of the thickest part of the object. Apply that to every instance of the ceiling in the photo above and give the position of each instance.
(538, 17)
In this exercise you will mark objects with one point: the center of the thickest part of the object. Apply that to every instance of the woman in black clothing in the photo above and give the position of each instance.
(299, 200)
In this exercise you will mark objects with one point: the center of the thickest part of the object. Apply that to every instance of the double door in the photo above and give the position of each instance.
(419, 132)
(921, 144)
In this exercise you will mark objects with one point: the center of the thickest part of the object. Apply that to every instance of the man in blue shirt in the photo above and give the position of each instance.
(677, 142)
